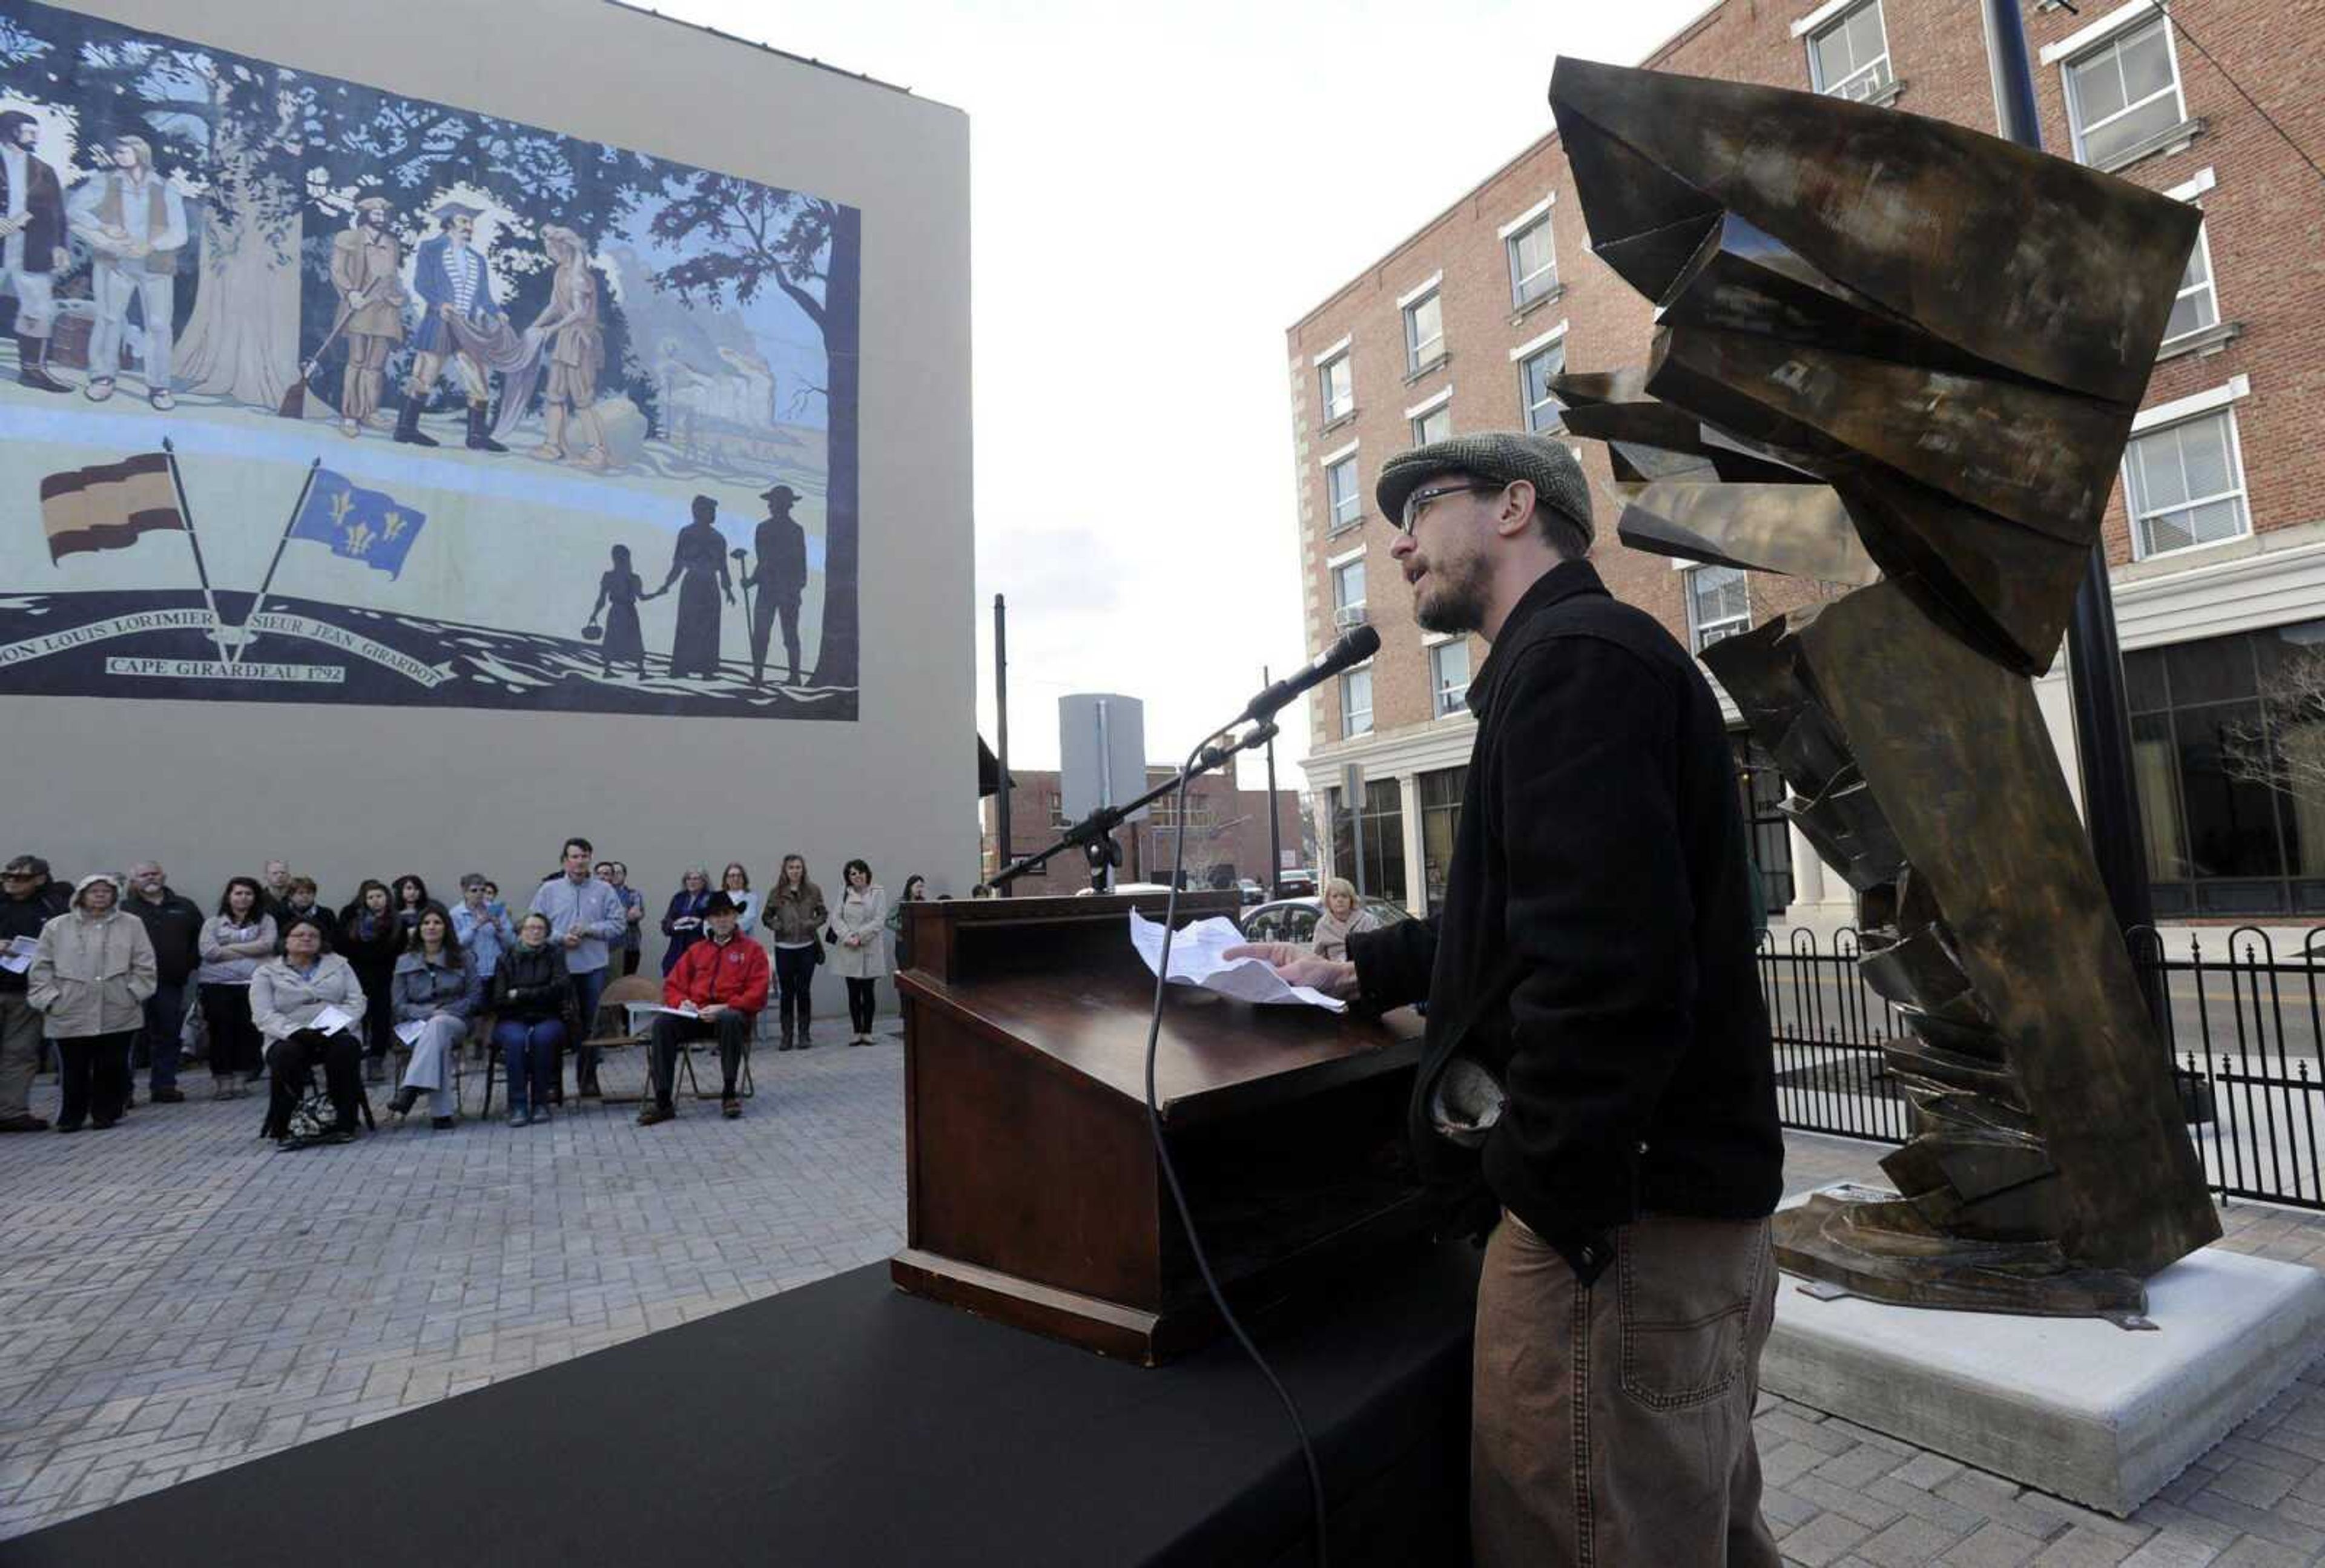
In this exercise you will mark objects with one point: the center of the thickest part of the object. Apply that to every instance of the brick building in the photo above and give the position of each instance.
(2215, 534)
(1227, 833)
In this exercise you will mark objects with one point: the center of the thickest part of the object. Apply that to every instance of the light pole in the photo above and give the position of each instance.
(2094, 658)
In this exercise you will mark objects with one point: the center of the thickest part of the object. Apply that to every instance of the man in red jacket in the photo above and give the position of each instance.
(721, 985)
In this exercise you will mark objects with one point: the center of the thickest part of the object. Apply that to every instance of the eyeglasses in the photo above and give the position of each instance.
(1418, 501)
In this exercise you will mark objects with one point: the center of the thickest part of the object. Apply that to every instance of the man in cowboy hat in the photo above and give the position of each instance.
(366, 268)
(780, 577)
(32, 204)
(454, 285)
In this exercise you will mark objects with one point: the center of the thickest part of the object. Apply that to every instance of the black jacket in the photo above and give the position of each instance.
(174, 925)
(284, 914)
(531, 984)
(1596, 946)
(24, 917)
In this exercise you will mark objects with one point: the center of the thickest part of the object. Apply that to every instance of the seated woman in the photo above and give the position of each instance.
(531, 990)
(287, 993)
(1341, 919)
(436, 988)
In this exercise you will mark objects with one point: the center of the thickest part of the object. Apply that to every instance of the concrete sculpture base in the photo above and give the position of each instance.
(2101, 1416)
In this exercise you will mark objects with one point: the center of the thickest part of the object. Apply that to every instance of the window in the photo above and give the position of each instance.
(2198, 304)
(1348, 590)
(2185, 484)
(1533, 264)
(1534, 371)
(1760, 789)
(1340, 490)
(1380, 828)
(1357, 702)
(1449, 676)
(1718, 604)
(2220, 840)
(1440, 821)
(1424, 333)
(2123, 94)
(1337, 378)
(1433, 426)
(1850, 59)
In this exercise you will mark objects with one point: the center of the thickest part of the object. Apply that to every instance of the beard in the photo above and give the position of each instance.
(1452, 596)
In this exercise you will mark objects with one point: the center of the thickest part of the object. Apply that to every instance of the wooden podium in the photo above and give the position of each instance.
(1034, 1193)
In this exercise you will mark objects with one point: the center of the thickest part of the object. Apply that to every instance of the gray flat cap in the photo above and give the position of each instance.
(1503, 456)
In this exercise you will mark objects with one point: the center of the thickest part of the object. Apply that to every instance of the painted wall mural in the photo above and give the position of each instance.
(311, 392)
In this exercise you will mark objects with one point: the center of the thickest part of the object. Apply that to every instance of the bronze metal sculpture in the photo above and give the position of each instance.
(1902, 357)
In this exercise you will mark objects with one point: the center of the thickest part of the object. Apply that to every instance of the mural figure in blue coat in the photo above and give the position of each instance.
(455, 287)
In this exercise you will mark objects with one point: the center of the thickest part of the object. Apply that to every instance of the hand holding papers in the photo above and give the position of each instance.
(1196, 960)
(16, 957)
(410, 1033)
(330, 1020)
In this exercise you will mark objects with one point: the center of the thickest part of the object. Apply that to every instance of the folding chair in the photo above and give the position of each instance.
(613, 1028)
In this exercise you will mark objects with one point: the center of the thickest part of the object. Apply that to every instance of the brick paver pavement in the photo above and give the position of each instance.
(178, 1297)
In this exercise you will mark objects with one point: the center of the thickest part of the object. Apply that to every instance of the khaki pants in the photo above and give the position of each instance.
(1612, 1423)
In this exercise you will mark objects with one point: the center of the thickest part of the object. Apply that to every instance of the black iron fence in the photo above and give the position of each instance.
(2243, 1026)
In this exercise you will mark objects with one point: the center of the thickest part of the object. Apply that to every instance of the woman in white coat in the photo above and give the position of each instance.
(861, 924)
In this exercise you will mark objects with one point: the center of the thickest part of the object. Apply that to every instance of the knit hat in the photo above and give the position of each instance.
(1498, 456)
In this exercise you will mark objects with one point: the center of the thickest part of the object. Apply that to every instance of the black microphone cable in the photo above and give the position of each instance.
(1170, 1171)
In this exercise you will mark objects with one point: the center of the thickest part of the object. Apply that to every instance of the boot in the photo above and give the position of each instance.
(32, 361)
(787, 1036)
(479, 437)
(407, 422)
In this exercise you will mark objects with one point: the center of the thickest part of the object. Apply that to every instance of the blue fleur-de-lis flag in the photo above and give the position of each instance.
(368, 526)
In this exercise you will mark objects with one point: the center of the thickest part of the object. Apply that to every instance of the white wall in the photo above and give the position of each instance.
(343, 792)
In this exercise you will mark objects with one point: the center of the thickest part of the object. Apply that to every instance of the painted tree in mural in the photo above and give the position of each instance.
(741, 237)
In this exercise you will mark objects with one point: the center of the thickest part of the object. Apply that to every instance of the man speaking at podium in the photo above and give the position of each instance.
(1597, 1086)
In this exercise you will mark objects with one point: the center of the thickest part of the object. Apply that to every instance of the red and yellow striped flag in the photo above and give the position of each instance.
(110, 507)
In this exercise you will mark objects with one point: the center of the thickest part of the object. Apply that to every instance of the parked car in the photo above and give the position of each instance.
(1298, 884)
(1252, 893)
(1294, 919)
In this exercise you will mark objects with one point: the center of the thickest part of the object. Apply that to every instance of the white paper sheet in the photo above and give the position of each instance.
(330, 1020)
(410, 1033)
(17, 957)
(1196, 960)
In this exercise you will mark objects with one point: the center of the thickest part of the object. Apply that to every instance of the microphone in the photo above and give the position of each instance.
(1353, 648)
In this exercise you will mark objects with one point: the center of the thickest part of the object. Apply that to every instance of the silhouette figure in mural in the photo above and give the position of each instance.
(1853, 380)
(619, 593)
(780, 577)
(700, 559)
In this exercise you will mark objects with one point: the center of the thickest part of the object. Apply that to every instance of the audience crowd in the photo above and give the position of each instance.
(112, 974)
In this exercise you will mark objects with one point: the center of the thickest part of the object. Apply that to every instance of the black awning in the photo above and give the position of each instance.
(988, 771)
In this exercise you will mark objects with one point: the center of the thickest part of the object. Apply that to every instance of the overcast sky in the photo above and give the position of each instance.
(1158, 194)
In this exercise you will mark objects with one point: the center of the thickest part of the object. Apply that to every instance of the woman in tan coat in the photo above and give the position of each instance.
(861, 923)
(88, 982)
(1342, 918)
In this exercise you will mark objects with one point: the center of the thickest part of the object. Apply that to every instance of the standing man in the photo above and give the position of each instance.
(584, 914)
(724, 979)
(26, 904)
(276, 879)
(454, 285)
(699, 557)
(137, 225)
(616, 875)
(173, 924)
(1597, 1086)
(367, 270)
(780, 577)
(33, 204)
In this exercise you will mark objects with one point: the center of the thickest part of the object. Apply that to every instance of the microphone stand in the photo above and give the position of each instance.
(1097, 830)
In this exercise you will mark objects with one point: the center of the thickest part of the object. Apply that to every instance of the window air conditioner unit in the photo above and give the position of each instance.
(1348, 616)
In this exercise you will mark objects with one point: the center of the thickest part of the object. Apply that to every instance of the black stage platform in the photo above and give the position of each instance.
(846, 1423)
